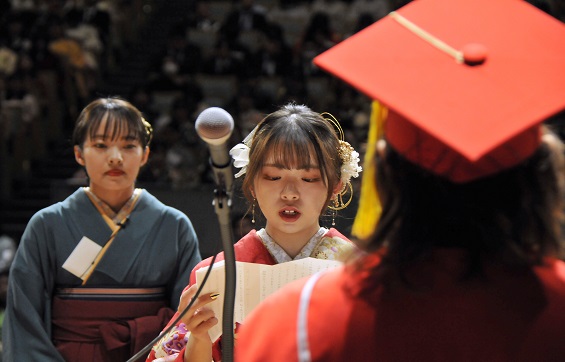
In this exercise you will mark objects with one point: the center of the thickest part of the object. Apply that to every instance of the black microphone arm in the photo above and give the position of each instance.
(214, 125)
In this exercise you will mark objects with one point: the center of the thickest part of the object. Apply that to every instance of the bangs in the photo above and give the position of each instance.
(119, 123)
(292, 150)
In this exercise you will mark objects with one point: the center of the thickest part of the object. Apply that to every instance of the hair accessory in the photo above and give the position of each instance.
(240, 154)
(338, 203)
(349, 157)
(349, 167)
(148, 130)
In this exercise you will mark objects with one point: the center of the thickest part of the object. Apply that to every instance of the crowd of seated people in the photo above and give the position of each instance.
(247, 56)
(53, 55)
(244, 55)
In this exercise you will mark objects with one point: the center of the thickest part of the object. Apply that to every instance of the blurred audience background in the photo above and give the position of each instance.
(172, 59)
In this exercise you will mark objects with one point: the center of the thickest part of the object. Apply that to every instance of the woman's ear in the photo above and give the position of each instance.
(78, 155)
(145, 156)
(338, 188)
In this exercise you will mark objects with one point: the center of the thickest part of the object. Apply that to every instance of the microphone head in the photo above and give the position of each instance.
(214, 125)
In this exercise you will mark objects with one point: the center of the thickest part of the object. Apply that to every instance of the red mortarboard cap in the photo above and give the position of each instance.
(467, 82)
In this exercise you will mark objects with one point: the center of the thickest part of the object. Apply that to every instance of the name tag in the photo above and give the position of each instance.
(82, 257)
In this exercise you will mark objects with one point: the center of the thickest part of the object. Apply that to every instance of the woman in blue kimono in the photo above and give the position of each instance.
(98, 275)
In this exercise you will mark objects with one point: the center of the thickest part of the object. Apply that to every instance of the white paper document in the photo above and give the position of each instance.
(254, 282)
(82, 257)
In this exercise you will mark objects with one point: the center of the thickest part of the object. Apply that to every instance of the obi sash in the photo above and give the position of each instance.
(107, 324)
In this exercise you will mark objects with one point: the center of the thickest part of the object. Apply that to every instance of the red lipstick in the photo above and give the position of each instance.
(289, 214)
(115, 172)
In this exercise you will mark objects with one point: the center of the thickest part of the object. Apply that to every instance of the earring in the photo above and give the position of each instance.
(338, 202)
(253, 212)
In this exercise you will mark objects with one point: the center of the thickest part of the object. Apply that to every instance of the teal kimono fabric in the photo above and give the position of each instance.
(157, 248)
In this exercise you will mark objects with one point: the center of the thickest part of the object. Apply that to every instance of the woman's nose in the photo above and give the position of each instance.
(289, 192)
(115, 156)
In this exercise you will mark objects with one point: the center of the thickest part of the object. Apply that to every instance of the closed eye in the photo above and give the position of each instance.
(272, 178)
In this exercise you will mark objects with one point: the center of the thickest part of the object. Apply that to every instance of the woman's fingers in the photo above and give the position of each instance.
(194, 316)
(186, 297)
(201, 321)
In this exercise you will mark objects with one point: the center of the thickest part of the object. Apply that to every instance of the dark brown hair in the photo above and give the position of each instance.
(122, 118)
(513, 217)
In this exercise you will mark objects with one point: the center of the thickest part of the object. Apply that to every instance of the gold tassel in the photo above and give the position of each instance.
(369, 210)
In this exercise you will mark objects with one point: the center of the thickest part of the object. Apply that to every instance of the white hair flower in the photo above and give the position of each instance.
(240, 155)
(350, 158)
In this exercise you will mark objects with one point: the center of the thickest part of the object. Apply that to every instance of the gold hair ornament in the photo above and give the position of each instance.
(337, 201)
(148, 130)
(349, 165)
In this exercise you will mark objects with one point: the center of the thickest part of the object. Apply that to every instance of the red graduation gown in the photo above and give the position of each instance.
(512, 315)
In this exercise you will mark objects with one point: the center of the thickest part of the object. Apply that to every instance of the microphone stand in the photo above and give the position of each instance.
(222, 204)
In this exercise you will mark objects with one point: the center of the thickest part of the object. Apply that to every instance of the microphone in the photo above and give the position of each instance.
(214, 126)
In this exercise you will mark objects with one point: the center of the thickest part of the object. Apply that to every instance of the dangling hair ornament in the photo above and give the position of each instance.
(148, 130)
(349, 167)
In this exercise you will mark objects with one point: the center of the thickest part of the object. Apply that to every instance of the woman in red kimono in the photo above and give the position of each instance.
(465, 262)
(296, 167)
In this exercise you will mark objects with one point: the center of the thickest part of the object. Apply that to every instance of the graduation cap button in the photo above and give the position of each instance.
(474, 54)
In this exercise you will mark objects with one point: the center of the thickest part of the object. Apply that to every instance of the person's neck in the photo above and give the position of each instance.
(292, 243)
(115, 199)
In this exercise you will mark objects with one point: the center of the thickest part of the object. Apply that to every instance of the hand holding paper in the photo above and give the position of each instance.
(254, 283)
